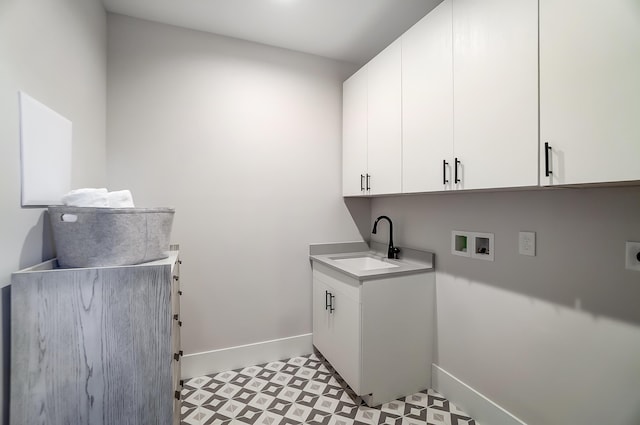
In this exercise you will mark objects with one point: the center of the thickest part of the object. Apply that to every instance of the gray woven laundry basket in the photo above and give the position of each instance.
(96, 237)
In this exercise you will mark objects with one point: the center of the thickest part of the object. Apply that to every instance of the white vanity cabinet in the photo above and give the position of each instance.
(495, 94)
(372, 126)
(377, 333)
(589, 91)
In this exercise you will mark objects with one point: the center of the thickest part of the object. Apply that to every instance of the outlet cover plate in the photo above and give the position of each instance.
(527, 243)
(631, 255)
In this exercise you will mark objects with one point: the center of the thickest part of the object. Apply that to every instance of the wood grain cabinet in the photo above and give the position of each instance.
(96, 345)
(378, 334)
(589, 91)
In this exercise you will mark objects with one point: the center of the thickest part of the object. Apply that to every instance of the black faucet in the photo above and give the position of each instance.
(393, 251)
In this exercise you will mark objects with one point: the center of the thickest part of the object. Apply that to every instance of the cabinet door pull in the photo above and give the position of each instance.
(368, 181)
(176, 356)
(175, 317)
(547, 168)
(179, 292)
(331, 306)
(181, 353)
(182, 382)
(444, 171)
(180, 323)
(456, 179)
(177, 395)
(326, 300)
(179, 261)
(361, 181)
(175, 277)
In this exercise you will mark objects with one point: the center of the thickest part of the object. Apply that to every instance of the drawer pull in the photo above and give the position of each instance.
(175, 277)
(179, 322)
(182, 382)
(175, 317)
(179, 292)
(176, 394)
(176, 356)
(181, 353)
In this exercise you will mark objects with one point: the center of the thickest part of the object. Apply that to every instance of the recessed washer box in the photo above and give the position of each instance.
(482, 246)
(460, 243)
(472, 244)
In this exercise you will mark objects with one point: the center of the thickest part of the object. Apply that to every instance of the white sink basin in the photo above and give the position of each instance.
(364, 263)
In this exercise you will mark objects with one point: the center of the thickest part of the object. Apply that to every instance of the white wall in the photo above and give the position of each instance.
(244, 140)
(554, 339)
(56, 52)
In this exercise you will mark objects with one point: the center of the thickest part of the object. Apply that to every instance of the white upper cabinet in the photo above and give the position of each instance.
(589, 91)
(354, 134)
(427, 103)
(384, 82)
(495, 92)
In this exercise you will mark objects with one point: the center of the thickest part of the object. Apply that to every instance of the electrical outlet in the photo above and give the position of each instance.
(632, 255)
(527, 243)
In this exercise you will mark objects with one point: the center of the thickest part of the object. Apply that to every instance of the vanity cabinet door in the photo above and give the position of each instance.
(336, 325)
(589, 91)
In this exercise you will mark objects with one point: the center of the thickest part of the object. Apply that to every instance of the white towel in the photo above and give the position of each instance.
(120, 199)
(86, 197)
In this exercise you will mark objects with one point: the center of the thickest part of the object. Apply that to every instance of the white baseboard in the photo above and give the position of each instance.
(215, 361)
(476, 405)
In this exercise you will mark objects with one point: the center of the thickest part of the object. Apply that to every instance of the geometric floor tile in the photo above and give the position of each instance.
(303, 390)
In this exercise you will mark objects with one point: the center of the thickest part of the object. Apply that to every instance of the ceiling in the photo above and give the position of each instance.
(348, 30)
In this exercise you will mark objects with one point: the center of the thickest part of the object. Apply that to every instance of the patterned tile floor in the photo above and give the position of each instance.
(302, 390)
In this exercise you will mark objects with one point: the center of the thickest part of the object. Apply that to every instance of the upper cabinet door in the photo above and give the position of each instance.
(354, 134)
(495, 71)
(427, 103)
(384, 78)
(589, 91)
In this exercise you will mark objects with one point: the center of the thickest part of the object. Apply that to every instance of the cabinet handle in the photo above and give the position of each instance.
(180, 323)
(175, 278)
(444, 171)
(176, 357)
(331, 306)
(181, 353)
(547, 170)
(361, 182)
(175, 317)
(368, 182)
(456, 179)
(326, 300)
(179, 261)
(182, 382)
(177, 395)
(179, 292)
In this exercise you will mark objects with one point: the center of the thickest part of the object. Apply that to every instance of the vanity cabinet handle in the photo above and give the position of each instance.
(331, 306)
(181, 353)
(547, 168)
(456, 179)
(177, 395)
(368, 181)
(361, 181)
(175, 278)
(179, 292)
(182, 382)
(180, 323)
(175, 317)
(326, 300)
(176, 356)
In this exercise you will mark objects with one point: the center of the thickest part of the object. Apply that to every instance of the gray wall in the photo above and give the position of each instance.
(56, 52)
(244, 140)
(555, 339)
